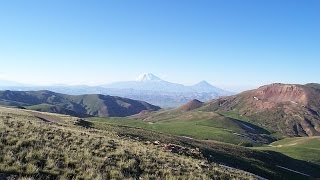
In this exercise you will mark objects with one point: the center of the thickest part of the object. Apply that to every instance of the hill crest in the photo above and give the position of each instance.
(288, 109)
(75, 105)
(194, 104)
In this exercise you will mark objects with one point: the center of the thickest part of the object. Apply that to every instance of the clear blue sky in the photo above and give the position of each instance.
(230, 43)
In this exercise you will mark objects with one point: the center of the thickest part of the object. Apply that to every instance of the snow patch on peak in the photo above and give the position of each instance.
(148, 77)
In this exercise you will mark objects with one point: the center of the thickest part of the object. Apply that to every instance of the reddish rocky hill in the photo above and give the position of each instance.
(287, 109)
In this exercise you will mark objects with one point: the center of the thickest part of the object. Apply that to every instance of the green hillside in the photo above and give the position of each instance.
(302, 148)
(263, 163)
(198, 125)
(44, 145)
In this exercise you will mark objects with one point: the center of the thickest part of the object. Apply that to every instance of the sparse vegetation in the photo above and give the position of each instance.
(263, 163)
(33, 148)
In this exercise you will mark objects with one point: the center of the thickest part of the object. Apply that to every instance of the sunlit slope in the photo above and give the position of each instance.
(302, 148)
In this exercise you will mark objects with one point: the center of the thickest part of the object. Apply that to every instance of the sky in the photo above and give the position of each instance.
(230, 43)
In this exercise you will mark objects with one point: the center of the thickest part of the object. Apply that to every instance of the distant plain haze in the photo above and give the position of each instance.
(235, 45)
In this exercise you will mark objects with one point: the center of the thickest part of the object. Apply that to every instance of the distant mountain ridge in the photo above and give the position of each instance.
(147, 87)
(75, 105)
(150, 82)
(154, 90)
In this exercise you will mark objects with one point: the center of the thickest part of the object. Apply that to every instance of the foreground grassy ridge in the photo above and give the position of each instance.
(302, 148)
(262, 163)
(31, 147)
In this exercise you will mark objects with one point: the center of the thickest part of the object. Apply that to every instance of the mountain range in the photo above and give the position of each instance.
(289, 109)
(256, 119)
(150, 82)
(147, 87)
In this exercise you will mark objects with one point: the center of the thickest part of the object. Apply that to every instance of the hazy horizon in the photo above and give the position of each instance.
(231, 44)
(231, 88)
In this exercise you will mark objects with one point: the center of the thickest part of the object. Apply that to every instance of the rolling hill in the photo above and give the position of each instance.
(187, 121)
(286, 109)
(38, 145)
(194, 104)
(253, 117)
(81, 105)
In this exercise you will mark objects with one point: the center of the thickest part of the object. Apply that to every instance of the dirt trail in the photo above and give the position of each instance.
(291, 170)
(46, 118)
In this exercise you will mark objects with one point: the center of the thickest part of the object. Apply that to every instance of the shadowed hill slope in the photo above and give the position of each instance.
(199, 125)
(81, 105)
(194, 104)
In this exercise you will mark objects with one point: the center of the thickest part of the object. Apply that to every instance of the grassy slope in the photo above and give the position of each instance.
(30, 146)
(302, 148)
(263, 163)
(194, 129)
(194, 124)
(235, 115)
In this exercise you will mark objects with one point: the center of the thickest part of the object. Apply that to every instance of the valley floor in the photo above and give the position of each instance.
(302, 148)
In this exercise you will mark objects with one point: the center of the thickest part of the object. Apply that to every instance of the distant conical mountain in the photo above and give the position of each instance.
(204, 86)
(148, 82)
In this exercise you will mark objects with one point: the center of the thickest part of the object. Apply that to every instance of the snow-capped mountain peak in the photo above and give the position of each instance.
(203, 83)
(148, 77)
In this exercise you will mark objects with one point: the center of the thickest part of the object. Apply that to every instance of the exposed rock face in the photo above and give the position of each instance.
(271, 95)
(284, 108)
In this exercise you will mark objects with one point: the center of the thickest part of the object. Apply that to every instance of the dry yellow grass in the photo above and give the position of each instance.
(33, 147)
